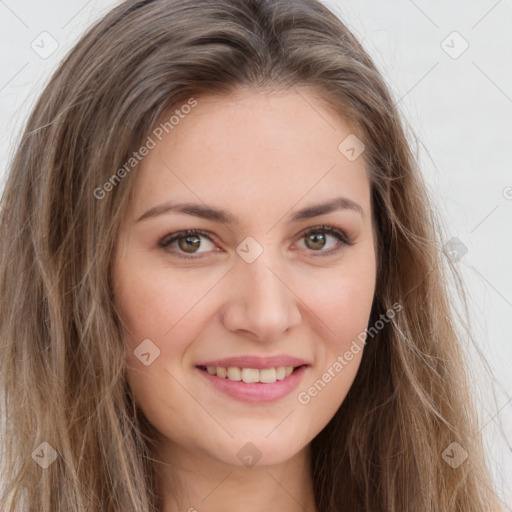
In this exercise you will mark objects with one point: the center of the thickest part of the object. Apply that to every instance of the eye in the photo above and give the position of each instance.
(190, 240)
(316, 240)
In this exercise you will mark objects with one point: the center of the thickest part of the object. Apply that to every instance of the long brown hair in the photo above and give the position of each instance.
(61, 350)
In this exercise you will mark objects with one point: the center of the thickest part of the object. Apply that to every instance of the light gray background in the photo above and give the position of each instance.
(459, 107)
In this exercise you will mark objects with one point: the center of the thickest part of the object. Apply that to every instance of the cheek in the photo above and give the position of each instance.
(350, 310)
(342, 303)
(342, 298)
(344, 312)
(152, 301)
(163, 313)
(151, 306)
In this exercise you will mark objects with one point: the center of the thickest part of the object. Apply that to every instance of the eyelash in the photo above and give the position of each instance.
(167, 240)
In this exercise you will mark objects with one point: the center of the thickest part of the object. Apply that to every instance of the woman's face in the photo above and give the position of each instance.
(256, 172)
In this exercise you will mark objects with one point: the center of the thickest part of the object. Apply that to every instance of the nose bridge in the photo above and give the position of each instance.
(264, 288)
(261, 301)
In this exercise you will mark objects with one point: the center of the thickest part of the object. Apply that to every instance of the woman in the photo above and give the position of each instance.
(178, 332)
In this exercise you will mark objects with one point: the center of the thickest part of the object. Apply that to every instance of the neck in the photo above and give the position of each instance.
(194, 483)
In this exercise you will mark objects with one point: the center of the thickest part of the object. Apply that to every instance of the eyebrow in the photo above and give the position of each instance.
(226, 217)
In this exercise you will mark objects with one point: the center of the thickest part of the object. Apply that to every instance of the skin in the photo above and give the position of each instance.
(262, 156)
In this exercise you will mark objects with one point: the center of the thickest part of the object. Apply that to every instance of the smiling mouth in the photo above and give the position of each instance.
(251, 375)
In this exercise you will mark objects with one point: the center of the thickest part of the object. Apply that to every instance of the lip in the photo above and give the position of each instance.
(257, 362)
(256, 392)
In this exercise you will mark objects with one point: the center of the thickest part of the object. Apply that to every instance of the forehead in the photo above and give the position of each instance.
(256, 151)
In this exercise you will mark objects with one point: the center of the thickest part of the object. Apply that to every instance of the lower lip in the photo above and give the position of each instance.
(256, 392)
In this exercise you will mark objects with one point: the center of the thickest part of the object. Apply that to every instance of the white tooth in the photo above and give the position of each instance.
(288, 370)
(280, 372)
(234, 373)
(268, 375)
(221, 372)
(212, 370)
(250, 375)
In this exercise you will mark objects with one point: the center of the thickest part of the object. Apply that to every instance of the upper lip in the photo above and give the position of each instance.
(258, 362)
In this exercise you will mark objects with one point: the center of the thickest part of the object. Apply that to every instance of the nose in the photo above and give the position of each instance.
(261, 301)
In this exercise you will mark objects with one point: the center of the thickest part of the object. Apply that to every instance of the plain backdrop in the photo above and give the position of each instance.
(449, 68)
